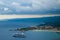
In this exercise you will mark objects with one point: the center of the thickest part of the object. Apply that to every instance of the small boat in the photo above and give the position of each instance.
(22, 35)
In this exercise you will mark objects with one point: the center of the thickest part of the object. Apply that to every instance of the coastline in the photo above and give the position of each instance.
(45, 31)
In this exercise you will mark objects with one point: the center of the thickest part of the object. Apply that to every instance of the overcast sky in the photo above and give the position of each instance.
(29, 6)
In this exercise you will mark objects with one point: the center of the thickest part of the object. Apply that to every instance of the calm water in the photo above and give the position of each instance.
(6, 25)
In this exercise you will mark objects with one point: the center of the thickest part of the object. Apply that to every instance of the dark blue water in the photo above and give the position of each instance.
(6, 25)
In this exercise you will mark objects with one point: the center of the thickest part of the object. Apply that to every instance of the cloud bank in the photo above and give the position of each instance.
(28, 6)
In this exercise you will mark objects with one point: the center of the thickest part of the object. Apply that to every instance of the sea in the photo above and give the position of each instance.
(6, 25)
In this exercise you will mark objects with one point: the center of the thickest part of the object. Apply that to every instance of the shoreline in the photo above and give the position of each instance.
(45, 31)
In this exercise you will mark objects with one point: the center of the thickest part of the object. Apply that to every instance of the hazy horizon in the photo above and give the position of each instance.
(3, 17)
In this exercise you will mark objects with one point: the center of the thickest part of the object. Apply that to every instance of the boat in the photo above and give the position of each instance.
(22, 35)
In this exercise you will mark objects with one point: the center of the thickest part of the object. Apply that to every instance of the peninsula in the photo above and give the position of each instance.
(39, 28)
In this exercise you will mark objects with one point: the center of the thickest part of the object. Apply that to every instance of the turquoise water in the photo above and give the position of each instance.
(6, 25)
